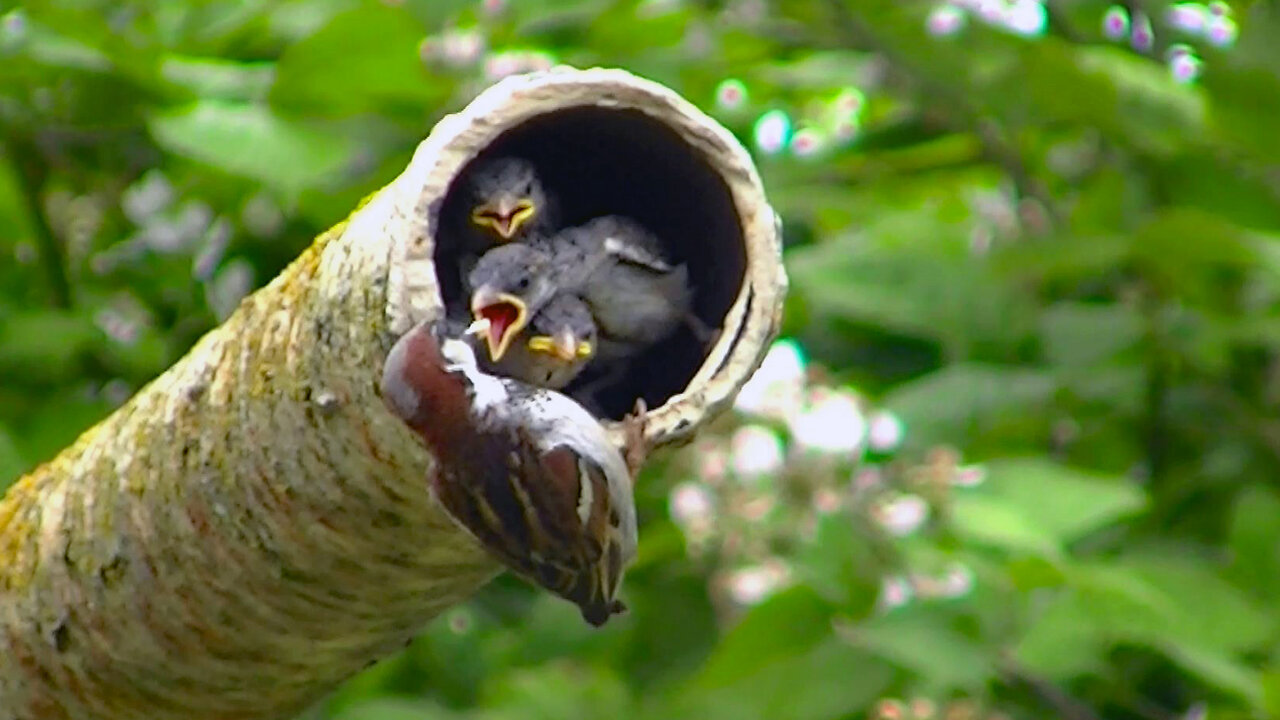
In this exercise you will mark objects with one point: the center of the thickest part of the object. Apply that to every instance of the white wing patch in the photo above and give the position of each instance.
(618, 248)
(487, 390)
(586, 492)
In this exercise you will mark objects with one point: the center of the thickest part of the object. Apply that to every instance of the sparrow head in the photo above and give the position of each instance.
(564, 330)
(510, 284)
(506, 196)
(418, 382)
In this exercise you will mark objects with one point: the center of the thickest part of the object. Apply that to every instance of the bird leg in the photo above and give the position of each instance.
(636, 449)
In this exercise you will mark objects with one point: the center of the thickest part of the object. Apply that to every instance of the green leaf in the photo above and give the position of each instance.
(829, 680)
(359, 59)
(677, 601)
(1215, 615)
(44, 344)
(394, 709)
(1122, 93)
(841, 566)
(1121, 604)
(936, 291)
(996, 523)
(1222, 672)
(817, 70)
(12, 464)
(969, 398)
(1255, 542)
(1079, 334)
(1173, 241)
(789, 623)
(555, 691)
(924, 642)
(250, 141)
(1243, 100)
(60, 418)
(215, 78)
(1064, 503)
(1215, 184)
(1062, 639)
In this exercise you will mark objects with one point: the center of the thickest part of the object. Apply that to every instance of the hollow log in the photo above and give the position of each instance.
(253, 527)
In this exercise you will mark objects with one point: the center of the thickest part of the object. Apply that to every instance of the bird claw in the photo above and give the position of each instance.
(636, 448)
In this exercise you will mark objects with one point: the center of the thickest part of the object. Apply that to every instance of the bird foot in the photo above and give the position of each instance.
(636, 448)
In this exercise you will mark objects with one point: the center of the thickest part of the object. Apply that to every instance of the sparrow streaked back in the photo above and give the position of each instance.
(527, 471)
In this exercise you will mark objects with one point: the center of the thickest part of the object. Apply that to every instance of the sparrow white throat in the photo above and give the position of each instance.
(488, 389)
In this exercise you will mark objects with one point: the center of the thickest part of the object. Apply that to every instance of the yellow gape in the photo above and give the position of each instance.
(567, 352)
(504, 221)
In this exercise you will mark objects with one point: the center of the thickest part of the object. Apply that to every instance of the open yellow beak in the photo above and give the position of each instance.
(499, 316)
(505, 217)
(564, 346)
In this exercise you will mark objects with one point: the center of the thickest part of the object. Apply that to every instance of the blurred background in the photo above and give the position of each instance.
(1016, 455)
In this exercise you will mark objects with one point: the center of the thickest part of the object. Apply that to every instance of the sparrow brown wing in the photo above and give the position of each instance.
(595, 582)
(524, 507)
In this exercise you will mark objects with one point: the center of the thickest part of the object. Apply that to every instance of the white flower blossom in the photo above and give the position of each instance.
(903, 515)
(772, 131)
(969, 476)
(731, 94)
(691, 505)
(756, 451)
(827, 501)
(832, 422)
(752, 585)
(885, 431)
(776, 390)
(1027, 18)
(895, 591)
(957, 581)
(945, 19)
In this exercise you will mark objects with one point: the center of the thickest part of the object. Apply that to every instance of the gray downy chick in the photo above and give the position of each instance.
(556, 346)
(509, 286)
(620, 269)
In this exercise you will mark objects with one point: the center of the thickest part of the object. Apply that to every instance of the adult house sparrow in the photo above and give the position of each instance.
(551, 351)
(527, 471)
(506, 202)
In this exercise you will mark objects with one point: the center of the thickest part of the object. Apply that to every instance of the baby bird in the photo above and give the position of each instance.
(509, 286)
(552, 351)
(619, 269)
(507, 202)
(527, 471)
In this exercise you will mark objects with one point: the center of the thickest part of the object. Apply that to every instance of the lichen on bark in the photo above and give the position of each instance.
(246, 532)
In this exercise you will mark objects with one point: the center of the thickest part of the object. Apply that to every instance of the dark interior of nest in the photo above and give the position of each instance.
(600, 161)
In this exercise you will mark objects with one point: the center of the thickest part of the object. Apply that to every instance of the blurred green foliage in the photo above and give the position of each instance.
(1049, 243)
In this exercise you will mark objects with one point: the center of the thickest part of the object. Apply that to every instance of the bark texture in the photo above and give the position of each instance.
(253, 527)
(246, 532)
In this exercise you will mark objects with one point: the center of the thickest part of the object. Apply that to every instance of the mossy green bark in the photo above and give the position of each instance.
(246, 532)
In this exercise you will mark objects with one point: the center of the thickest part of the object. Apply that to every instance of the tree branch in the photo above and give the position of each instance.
(32, 176)
(254, 526)
(245, 533)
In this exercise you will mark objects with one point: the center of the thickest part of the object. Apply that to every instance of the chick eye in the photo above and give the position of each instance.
(522, 283)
